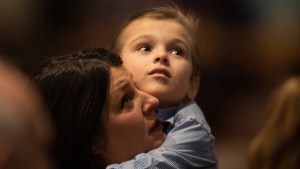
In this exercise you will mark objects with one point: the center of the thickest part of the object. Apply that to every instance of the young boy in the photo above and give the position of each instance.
(159, 47)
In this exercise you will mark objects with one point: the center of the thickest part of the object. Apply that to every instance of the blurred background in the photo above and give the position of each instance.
(248, 48)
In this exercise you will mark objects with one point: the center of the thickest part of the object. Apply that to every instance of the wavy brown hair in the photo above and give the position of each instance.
(277, 145)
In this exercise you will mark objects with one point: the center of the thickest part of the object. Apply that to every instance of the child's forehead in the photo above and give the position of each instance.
(154, 20)
(143, 25)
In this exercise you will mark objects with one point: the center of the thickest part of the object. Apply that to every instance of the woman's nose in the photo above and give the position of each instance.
(150, 104)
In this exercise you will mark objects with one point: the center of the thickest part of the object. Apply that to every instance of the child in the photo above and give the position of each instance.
(159, 47)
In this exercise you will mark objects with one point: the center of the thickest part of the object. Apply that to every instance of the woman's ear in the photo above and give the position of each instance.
(195, 84)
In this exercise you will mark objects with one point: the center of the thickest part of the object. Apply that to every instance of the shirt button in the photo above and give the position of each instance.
(161, 149)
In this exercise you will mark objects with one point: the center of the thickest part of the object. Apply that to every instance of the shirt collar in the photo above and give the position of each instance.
(166, 113)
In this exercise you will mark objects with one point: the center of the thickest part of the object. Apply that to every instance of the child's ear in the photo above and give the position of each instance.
(195, 83)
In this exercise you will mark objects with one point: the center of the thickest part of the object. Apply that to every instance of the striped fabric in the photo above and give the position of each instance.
(189, 143)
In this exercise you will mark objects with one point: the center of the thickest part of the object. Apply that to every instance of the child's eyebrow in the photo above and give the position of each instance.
(180, 41)
(142, 36)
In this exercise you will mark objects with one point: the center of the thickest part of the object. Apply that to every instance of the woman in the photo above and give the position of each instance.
(100, 116)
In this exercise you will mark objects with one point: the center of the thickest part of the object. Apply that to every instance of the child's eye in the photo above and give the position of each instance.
(177, 51)
(144, 48)
(126, 100)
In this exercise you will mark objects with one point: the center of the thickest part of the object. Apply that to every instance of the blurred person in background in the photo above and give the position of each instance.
(25, 130)
(277, 145)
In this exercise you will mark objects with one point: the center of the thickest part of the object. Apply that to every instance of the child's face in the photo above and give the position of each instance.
(158, 54)
(133, 125)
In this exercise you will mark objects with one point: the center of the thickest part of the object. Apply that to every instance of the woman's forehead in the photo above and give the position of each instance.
(117, 72)
(120, 77)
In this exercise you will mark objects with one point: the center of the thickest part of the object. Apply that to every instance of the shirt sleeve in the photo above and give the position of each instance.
(188, 145)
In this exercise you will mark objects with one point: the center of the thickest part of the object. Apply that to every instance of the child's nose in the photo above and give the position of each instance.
(162, 60)
(161, 57)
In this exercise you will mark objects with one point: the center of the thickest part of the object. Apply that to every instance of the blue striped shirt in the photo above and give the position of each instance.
(189, 143)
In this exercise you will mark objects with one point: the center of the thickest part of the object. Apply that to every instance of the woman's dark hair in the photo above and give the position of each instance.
(75, 88)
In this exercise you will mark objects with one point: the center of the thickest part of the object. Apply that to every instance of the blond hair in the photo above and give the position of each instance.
(171, 11)
(277, 146)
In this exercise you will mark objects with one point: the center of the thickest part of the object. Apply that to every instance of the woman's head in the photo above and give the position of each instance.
(77, 89)
(132, 124)
(277, 144)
